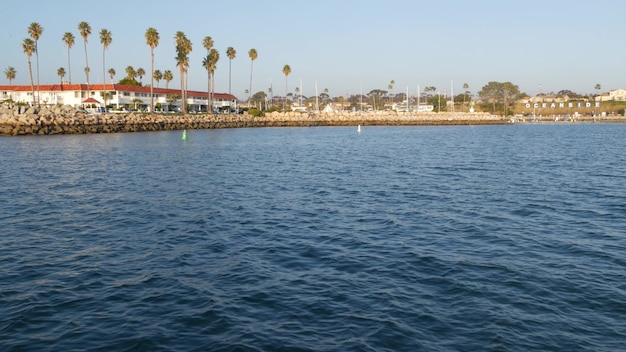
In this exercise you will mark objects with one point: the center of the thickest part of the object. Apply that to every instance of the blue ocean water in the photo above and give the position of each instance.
(447, 238)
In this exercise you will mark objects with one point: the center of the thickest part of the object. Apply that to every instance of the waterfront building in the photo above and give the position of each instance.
(117, 97)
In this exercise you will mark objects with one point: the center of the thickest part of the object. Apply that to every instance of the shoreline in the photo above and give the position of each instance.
(29, 121)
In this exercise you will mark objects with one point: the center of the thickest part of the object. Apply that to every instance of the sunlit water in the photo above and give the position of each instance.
(486, 238)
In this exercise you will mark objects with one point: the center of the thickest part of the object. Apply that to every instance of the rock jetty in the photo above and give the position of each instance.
(25, 120)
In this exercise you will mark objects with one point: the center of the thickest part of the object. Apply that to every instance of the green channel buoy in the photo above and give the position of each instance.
(184, 138)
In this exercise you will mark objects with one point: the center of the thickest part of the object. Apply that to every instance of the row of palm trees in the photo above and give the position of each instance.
(183, 49)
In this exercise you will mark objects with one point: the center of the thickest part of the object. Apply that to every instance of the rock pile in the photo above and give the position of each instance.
(24, 120)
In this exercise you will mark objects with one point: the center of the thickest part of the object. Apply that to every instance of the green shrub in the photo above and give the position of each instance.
(255, 112)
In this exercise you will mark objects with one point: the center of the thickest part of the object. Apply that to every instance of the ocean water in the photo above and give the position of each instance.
(449, 238)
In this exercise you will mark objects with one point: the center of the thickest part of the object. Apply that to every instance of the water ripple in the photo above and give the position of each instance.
(422, 239)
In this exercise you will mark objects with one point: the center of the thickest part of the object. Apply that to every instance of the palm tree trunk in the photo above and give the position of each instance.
(230, 63)
(38, 87)
(32, 85)
(69, 68)
(151, 80)
(250, 90)
(86, 66)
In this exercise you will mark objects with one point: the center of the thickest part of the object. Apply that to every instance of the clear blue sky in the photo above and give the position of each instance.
(345, 46)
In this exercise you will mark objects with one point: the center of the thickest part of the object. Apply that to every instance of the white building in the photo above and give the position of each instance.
(117, 96)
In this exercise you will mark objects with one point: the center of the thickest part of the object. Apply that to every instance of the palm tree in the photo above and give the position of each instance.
(157, 75)
(231, 53)
(207, 43)
(286, 72)
(112, 73)
(68, 39)
(141, 72)
(10, 74)
(252, 53)
(35, 31)
(168, 76)
(61, 73)
(131, 73)
(391, 89)
(597, 88)
(183, 48)
(465, 88)
(85, 31)
(214, 57)
(152, 39)
(29, 47)
(105, 40)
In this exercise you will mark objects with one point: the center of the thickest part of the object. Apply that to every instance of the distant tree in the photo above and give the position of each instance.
(152, 39)
(106, 96)
(231, 53)
(112, 73)
(131, 73)
(259, 97)
(496, 92)
(35, 31)
(465, 89)
(286, 72)
(61, 73)
(597, 88)
(141, 72)
(390, 87)
(28, 45)
(171, 98)
(569, 93)
(10, 74)
(157, 76)
(168, 76)
(68, 39)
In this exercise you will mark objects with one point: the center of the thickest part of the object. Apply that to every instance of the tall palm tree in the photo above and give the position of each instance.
(597, 88)
(207, 43)
(85, 31)
(105, 39)
(157, 75)
(286, 72)
(68, 39)
(152, 39)
(231, 52)
(10, 74)
(168, 76)
(183, 48)
(61, 73)
(252, 53)
(29, 47)
(391, 89)
(112, 73)
(35, 31)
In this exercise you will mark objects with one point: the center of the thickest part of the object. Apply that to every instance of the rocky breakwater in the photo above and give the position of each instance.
(24, 120)
(376, 118)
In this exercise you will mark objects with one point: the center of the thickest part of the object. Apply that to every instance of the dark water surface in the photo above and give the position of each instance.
(485, 238)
